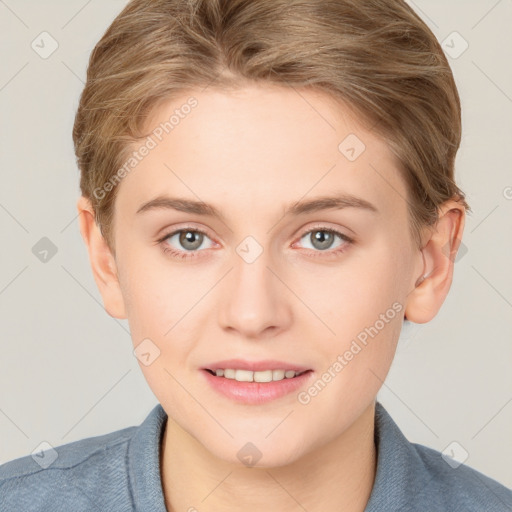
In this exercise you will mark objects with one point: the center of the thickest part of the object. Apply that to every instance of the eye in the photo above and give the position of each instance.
(183, 241)
(187, 242)
(321, 239)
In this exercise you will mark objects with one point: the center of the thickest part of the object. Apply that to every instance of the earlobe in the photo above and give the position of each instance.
(433, 284)
(102, 261)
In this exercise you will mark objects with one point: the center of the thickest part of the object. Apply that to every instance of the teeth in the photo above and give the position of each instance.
(262, 376)
(244, 375)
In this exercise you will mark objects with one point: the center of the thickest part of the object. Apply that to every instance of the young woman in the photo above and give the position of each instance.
(267, 195)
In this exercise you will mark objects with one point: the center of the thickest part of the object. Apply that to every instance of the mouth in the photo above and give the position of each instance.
(256, 382)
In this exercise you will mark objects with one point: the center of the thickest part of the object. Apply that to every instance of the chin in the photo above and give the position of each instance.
(256, 452)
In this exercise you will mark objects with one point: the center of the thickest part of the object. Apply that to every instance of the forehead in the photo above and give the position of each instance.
(263, 146)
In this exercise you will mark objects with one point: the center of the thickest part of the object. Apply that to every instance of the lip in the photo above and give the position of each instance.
(256, 393)
(255, 366)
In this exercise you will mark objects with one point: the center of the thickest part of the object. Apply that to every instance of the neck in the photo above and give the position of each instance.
(335, 477)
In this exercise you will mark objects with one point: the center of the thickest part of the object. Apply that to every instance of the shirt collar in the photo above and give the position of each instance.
(399, 477)
(144, 462)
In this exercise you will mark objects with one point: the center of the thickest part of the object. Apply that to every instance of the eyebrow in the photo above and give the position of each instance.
(337, 202)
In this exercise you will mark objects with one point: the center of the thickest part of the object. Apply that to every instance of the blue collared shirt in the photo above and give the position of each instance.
(120, 472)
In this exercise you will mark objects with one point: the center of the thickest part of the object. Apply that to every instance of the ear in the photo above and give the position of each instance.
(433, 284)
(103, 263)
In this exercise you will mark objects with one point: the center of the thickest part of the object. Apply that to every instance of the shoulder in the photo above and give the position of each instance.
(68, 477)
(411, 477)
(457, 486)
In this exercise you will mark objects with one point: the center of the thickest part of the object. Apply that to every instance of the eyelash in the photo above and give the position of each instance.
(191, 254)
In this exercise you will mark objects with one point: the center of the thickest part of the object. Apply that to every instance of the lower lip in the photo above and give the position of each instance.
(256, 392)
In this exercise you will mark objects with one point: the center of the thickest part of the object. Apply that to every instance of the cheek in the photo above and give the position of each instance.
(160, 300)
(163, 302)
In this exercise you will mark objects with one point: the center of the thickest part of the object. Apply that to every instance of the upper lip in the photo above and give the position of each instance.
(255, 366)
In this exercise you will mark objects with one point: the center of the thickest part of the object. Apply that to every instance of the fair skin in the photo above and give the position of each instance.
(251, 153)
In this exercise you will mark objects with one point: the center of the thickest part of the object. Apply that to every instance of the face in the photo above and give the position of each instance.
(251, 272)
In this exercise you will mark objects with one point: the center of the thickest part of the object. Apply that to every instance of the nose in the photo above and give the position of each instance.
(255, 302)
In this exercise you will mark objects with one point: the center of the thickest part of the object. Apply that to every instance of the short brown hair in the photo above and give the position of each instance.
(376, 56)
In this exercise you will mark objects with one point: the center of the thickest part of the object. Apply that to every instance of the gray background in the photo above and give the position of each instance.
(66, 368)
